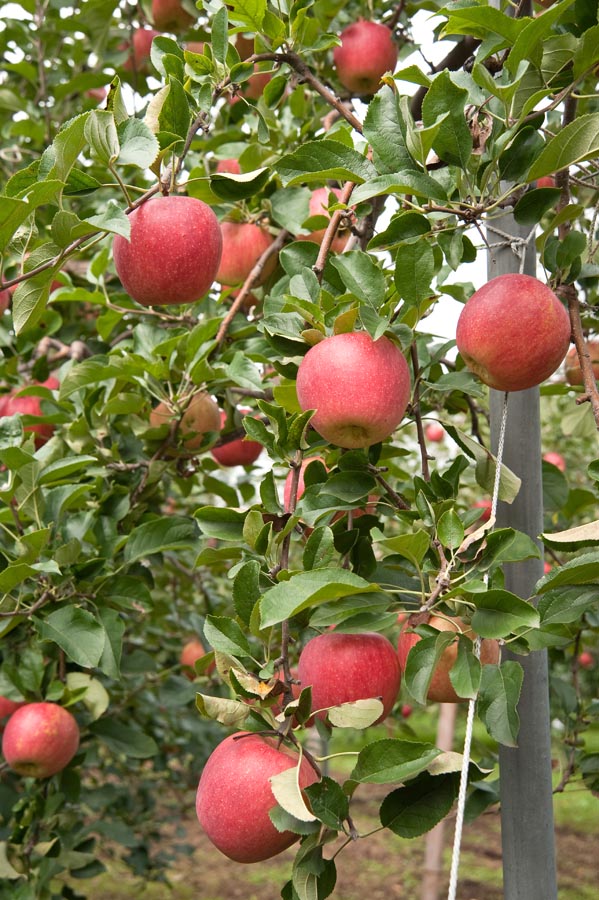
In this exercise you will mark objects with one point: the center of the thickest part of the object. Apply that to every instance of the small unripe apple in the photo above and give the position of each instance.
(12, 404)
(234, 796)
(200, 416)
(556, 459)
(586, 660)
(173, 254)
(342, 668)
(169, 15)
(240, 452)
(360, 388)
(140, 49)
(434, 432)
(230, 166)
(407, 710)
(243, 245)
(190, 652)
(572, 363)
(366, 52)
(40, 739)
(513, 332)
(441, 690)
(319, 201)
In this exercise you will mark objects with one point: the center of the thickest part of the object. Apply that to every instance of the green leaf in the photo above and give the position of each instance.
(139, 147)
(405, 182)
(411, 546)
(567, 604)
(384, 129)
(356, 713)
(319, 551)
(328, 802)
(582, 570)
(585, 57)
(158, 535)
(417, 807)
(114, 626)
(534, 204)
(308, 589)
(222, 523)
(321, 160)
(247, 12)
(124, 739)
(575, 143)
(421, 662)
(58, 160)
(246, 589)
(498, 613)
(509, 484)
(361, 276)
(231, 713)
(530, 41)
(586, 535)
(414, 271)
(465, 672)
(219, 35)
(112, 219)
(450, 530)
(453, 141)
(388, 760)
(286, 789)
(498, 699)
(482, 21)
(101, 134)
(225, 636)
(239, 187)
(96, 698)
(76, 632)
(168, 113)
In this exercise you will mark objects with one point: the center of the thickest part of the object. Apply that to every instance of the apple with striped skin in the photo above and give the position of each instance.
(173, 253)
(360, 388)
(513, 332)
(40, 739)
(234, 796)
(366, 52)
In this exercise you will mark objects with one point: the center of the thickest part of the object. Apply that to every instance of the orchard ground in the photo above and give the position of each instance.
(381, 867)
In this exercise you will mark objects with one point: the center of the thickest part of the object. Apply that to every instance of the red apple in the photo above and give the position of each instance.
(366, 52)
(406, 711)
(586, 660)
(547, 567)
(513, 332)
(244, 45)
(434, 432)
(12, 404)
(546, 181)
(190, 652)
(572, 363)
(319, 202)
(344, 667)
(200, 415)
(556, 459)
(40, 739)
(173, 254)
(234, 796)
(441, 689)
(7, 708)
(360, 388)
(169, 15)
(140, 49)
(243, 245)
(99, 94)
(485, 506)
(240, 452)
(4, 300)
(230, 166)
(301, 487)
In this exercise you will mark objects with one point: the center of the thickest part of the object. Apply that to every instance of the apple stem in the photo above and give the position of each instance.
(393, 495)
(331, 231)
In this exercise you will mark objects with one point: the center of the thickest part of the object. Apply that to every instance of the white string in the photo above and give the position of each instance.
(459, 822)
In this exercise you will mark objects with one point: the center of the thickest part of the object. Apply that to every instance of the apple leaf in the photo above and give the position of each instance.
(388, 760)
(450, 530)
(95, 698)
(465, 672)
(421, 662)
(112, 220)
(231, 713)
(582, 570)
(284, 821)
(76, 631)
(308, 589)
(101, 134)
(221, 522)
(226, 636)
(499, 613)
(239, 187)
(246, 589)
(453, 142)
(498, 700)
(509, 484)
(30, 300)
(247, 12)
(124, 739)
(139, 146)
(321, 160)
(355, 714)
(411, 546)
(384, 129)
(575, 143)
(285, 787)
(417, 807)
(362, 277)
(402, 182)
(567, 604)
(581, 536)
(319, 551)
(328, 802)
(158, 535)
(414, 271)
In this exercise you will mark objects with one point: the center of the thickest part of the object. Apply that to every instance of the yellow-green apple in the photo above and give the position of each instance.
(243, 245)
(366, 52)
(169, 15)
(513, 332)
(234, 796)
(586, 660)
(572, 363)
(360, 388)
(200, 416)
(318, 206)
(441, 690)
(239, 452)
(40, 739)
(556, 459)
(13, 404)
(173, 253)
(139, 48)
(190, 652)
(7, 708)
(230, 166)
(341, 668)
(434, 432)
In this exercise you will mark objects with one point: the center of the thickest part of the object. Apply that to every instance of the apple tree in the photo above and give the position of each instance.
(165, 473)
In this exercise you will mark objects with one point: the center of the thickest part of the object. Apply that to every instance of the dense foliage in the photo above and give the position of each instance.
(118, 543)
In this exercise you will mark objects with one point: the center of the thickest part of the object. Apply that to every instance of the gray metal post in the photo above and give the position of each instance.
(527, 832)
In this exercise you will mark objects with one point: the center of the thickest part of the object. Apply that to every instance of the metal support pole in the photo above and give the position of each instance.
(527, 831)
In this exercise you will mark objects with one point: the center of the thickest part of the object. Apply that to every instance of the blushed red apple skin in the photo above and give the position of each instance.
(556, 459)
(30, 405)
(513, 332)
(434, 432)
(40, 739)
(169, 15)
(174, 251)
(342, 668)
(366, 52)
(140, 50)
(360, 388)
(191, 651)
(441, 690)
(239, 452)
(7, 708)
(243, 245)
(201, 415)
(234, 796)
(572, 363)
(230, 166)
(485, 506)
(586, 660)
